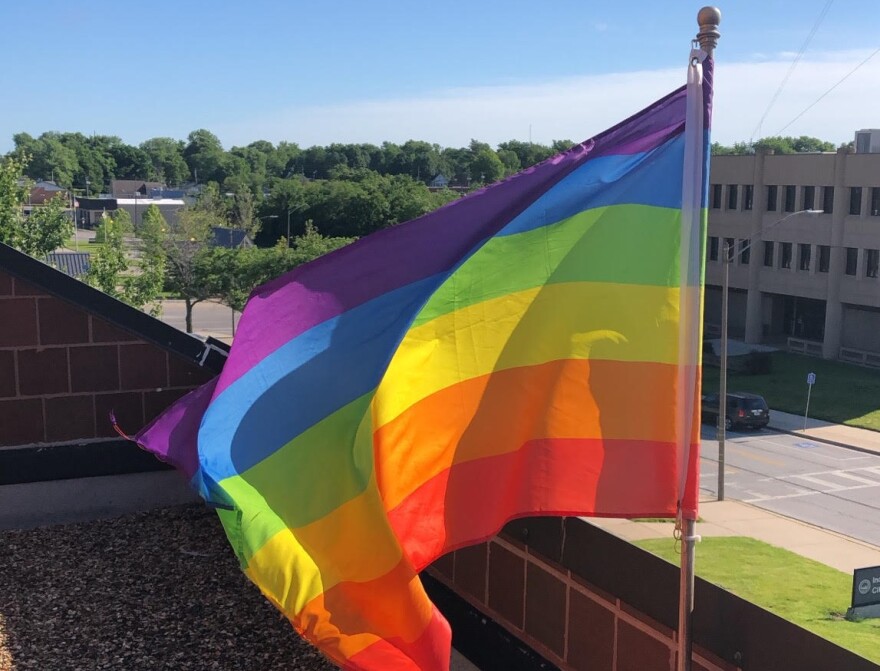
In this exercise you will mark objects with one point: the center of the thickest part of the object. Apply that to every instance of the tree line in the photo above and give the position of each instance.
(75, 160)
(778, 145)
(296, 203)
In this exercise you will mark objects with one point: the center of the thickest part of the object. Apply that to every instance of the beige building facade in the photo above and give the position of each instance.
(807, 281)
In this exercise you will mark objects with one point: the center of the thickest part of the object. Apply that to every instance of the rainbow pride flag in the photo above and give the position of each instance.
(517, 352)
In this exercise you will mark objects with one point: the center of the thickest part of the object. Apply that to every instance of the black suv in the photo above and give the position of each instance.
(743, 410)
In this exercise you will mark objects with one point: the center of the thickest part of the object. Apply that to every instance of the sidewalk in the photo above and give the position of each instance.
(733, 518)
(836, 434)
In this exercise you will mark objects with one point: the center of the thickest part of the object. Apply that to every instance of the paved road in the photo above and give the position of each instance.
(828, 486)
(209, 317)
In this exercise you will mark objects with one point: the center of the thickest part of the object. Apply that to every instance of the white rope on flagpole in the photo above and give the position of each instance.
(689, 264)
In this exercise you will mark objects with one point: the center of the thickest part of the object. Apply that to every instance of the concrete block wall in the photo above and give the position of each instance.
(63, 369)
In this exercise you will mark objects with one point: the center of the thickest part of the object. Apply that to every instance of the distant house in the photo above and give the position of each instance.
(129, 188)
(169, 207)
(90, 210)
(231, 238)
(44, 190)
(439, 182)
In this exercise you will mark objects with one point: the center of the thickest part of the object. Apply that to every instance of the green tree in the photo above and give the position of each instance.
(131, 162)
(528, 153)
(776, 144)
(510, 161)
(47, 228)
(186, 250)
(51, 157)
(485, 166)
(13, 193)
(311, 245)
(166, 159)
(205, 157)
(243, 213)
(420, 160)
(559, 146)
(109, 262)
(111, 269)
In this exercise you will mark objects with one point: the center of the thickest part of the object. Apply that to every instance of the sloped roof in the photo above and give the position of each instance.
(74, 264)
(211, 353)
(127, 187)
(230, 237)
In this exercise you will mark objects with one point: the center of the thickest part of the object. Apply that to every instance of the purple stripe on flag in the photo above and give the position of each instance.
(309, 295)
(172, 435)
(708, 90)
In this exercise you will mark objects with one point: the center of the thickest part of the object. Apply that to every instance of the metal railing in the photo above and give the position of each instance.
(802, 346)
(860, 357)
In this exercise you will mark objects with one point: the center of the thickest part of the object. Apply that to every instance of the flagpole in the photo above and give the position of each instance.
(708, 19)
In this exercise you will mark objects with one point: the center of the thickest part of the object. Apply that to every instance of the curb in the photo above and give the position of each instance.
(827, 441)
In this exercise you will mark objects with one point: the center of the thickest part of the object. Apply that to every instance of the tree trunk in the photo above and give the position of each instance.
(189, 315)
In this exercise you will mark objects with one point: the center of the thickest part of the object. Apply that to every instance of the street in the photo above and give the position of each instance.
(209, 318)
(830, 487)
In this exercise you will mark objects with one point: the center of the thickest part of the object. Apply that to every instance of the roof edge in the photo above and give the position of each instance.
(210, 354)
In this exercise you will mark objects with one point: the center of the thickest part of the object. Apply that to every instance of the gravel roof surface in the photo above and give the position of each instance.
(158, 590)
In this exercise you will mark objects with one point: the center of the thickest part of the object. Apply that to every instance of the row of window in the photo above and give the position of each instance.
(812, 197)
(781, 255)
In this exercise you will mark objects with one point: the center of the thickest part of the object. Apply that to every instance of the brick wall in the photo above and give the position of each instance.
(63, 369)
(570, 622)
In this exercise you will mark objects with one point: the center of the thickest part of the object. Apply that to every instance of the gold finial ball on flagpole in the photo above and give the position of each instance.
(708, 19)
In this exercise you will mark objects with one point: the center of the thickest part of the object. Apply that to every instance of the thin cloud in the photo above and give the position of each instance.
(576, 108)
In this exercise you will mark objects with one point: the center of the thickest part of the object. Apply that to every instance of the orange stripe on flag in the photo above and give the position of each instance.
(497, 414)
(352, 616)
(471, 501)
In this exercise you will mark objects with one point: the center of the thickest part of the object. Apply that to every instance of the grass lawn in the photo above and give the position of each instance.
(843, 393)
(762, 574)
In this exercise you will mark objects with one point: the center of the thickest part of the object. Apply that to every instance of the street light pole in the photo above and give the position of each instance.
(722, 392)
(728, 256)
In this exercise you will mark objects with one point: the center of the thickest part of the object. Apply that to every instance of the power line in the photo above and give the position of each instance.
(845, 77)
(793, 65)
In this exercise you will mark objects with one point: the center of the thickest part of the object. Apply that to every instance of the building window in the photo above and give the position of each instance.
(748, 197)
(789, 198)
(768, 254)
(828, 199)
(732, 196)
(804, 256)
(852, 260)
(824, 258)
(872, 262)
(875, 201)
(809, 198)
(785, 255)
(772, 197)
(713, 248)
(745, 252)
(855, 200)
(716, 196)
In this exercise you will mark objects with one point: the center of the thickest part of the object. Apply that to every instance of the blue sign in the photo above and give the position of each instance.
(811, 378)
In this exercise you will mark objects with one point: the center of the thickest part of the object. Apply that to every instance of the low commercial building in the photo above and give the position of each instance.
(804, 280)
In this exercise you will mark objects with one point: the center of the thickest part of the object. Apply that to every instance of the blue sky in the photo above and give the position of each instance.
(338, 70)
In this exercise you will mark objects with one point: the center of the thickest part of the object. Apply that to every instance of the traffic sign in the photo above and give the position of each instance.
(811, 378)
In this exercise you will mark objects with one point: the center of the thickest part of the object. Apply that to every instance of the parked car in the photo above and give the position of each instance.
(743, 410)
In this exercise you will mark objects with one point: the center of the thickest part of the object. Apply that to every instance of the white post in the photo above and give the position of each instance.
(708, 19)
(722, 391)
